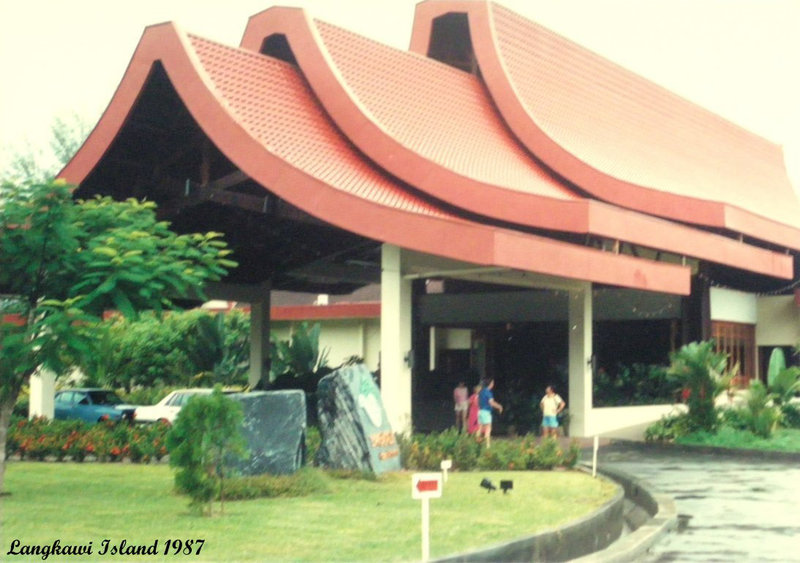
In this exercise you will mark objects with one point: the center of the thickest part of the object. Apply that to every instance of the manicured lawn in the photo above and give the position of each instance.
(357, 520)
(782, 440)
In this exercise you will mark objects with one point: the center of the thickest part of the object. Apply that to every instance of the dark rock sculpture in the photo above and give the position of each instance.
(356, 433)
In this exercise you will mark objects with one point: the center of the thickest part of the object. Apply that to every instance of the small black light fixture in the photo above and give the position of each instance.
(488, 485)
(506, 486)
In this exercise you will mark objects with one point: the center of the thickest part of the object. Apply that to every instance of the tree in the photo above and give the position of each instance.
(186, 348)
(704, 375)
(34, 164)
(298, 363)
(206, 438)
(64, 262)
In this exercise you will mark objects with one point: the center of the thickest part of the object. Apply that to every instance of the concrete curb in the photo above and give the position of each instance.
(590, 533)
(663, 518)
(666, 447)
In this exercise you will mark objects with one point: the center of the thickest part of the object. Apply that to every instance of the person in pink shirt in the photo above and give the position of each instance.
(461, 405)
(473, 425)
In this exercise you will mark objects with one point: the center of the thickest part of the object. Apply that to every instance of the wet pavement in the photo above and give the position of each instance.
(730, 508)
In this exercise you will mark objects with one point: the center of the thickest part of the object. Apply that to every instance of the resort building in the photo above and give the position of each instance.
(527, 208)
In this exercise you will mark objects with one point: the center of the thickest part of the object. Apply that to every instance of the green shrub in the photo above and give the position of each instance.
(313, 443)
(704, 374)
(762, 415)
(669, 428)
(426, 451)
(637, 384)
(305, 481)
(203, 443)
(352, 474)
(547, 455)
(790, 416)
(147, 395)
(504, 454)
(736, 418)
(39, 439)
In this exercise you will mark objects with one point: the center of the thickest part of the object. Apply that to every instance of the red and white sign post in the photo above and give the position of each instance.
(425, 486)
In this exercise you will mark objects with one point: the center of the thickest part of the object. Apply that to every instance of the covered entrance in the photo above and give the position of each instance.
(330, 162)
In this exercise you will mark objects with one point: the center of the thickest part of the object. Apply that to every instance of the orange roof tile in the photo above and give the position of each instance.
(620, 137)
(262, 116)
(437, 129)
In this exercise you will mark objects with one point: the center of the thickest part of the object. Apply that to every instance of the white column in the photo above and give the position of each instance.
(42, 394)
(259, 337)
(395, 339)
(580, 360)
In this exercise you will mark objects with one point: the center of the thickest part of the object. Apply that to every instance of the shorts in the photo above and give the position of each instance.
(484, 417)
(462, 407)
(550, 421)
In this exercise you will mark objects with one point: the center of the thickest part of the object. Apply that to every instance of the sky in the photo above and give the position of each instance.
(738, 58)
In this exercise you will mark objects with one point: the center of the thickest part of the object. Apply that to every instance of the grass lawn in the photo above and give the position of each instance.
(356, 520)
(782, 440)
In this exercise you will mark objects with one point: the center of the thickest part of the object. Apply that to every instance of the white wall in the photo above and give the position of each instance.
(627, 422)
(733, 306)
(778, 321)
(342, 338)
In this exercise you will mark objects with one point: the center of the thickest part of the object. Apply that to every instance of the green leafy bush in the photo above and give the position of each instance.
(790, 416)
(704, 374)
(762, 415)
(669, 428)
(637, 384)
(426, 451)
(736, 418)
(313, 443)
(305, 481)
(39, 439)
(205, 440)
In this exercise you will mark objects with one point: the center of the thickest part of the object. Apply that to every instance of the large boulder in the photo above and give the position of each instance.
(356, 433)
(274, 428)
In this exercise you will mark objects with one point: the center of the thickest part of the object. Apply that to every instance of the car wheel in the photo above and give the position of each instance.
(164, 421)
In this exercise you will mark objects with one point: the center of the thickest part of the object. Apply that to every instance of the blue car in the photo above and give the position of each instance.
(91, 405)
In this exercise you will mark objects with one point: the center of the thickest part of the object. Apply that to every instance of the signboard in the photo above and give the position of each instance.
(426, 485)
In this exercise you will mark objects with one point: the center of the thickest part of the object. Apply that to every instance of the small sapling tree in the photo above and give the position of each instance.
(204, 442)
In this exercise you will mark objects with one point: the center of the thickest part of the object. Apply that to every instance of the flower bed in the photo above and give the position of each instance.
(426, 451)
(40, 439)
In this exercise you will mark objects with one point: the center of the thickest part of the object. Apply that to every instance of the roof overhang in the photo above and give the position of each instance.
(395, 215)
(604, 129)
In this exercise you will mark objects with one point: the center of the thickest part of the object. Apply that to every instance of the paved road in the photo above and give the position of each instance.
(732, 509)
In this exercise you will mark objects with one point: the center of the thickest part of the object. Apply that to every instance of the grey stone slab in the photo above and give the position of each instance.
(274, 428)
(356, 433)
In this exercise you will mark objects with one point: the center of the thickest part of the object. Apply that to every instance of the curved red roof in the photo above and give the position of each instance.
(620, 137)
(261, 114)
(437, 129)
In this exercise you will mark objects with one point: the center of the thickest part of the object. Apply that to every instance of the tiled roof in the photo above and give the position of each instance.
(437, 129)
(403, 149)
(273, 102)
(260, 113)
(621, 137)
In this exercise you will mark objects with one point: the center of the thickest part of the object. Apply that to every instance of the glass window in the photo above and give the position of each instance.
(65, 397)
(104, 398)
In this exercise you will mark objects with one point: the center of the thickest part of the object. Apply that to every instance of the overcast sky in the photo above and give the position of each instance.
(739, 58)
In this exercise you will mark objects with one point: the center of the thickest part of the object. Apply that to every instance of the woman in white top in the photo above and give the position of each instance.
(552, 404)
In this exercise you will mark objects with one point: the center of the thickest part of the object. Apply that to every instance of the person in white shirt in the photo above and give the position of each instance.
(552, 404)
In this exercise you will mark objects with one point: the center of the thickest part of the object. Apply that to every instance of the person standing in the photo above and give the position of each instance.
(486, 403)
(473, 410)
(461, 404)
(552, 404)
